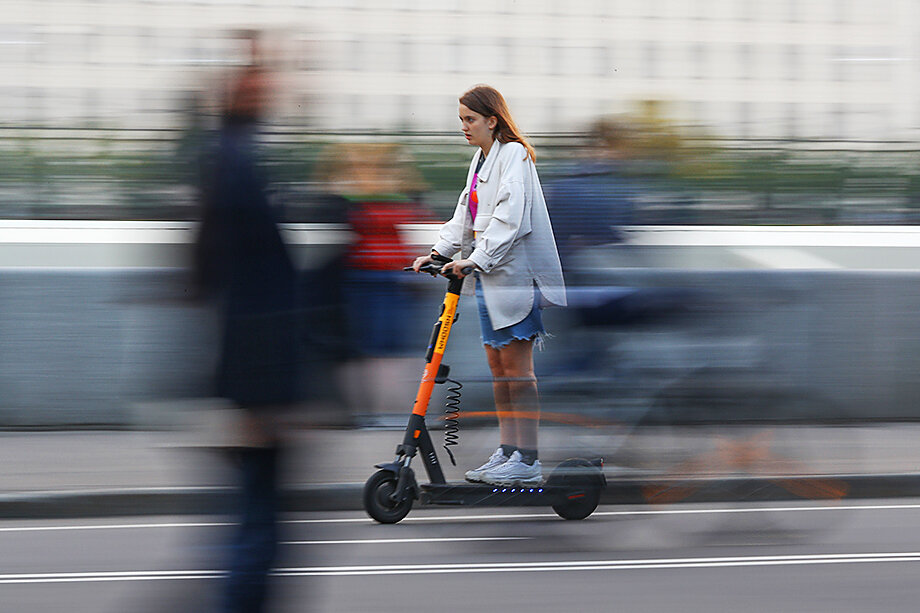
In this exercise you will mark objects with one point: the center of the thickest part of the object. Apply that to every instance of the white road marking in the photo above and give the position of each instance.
(114, 526)
(93, 577)
(482, 517)
(584, 565)
(509, 567)
(445, 539)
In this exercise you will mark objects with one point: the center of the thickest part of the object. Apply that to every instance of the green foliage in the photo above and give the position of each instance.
(142, 176)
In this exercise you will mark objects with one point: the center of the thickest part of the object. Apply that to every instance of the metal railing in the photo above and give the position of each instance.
(99, 173)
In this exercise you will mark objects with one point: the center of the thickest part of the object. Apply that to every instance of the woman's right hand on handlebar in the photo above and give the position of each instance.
(421, 261)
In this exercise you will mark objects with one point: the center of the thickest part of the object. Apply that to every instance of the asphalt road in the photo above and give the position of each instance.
(859, 556)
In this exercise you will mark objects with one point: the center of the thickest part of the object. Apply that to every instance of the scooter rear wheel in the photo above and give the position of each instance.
(378, 498)
(585, 481)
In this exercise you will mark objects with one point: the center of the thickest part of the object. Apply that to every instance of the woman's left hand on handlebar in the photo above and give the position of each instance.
(456, 267)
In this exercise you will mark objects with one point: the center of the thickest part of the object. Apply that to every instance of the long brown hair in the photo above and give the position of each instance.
(488, 102)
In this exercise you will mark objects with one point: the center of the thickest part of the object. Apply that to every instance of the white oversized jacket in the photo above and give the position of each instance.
(515, 247)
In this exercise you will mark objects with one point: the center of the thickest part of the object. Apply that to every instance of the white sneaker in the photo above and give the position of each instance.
(496, 459)
(514, 472)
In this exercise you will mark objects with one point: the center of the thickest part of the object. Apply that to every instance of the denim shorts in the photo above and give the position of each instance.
(531, 327)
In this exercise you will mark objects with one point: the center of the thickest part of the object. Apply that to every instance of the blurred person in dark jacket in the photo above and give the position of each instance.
(592, 205)
(591, 202)
(595, 199)
(242, 258)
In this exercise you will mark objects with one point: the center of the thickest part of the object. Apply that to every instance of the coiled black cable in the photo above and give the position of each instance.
(452, 418)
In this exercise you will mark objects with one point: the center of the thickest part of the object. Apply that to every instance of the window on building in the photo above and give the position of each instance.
(355, 108)
(791, 121)
(356, 55)
(430, 56)
(576, 61)
(838, 117)
(602, 61)
(875, 12)
(744, 120)
(553, 118)
(699, 10)
(478, 54)
(504, 7)
(700, 59)
(748, 9)
(869, 64)
(453, 55)
(8, 103)
(556, 59)
(841, 11)
(65, 47)
(600, 108)
(15, 41)
(38, 52)
(406, 56)
(792, 62)
(93, 113)
(405, 113)
(883, 64)
(507, 56)
(147, 46)
(697, 112)
(650, 60)
(746, 67)
(538, 57)
(838, 62)
(31, 109)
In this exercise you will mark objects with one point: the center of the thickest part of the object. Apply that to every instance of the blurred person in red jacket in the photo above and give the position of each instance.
(381, 186)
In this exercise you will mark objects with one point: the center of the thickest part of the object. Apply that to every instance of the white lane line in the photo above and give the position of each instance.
(445, 539)
(115, 526)
(94, 577)
(509, 567)
(483, 517)
(582, 565)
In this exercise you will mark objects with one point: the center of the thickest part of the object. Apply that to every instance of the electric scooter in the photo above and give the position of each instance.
(573, 489)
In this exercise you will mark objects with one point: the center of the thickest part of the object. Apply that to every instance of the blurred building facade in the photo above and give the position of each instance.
(736, 68)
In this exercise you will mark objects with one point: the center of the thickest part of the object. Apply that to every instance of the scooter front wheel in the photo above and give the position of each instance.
(379, 501)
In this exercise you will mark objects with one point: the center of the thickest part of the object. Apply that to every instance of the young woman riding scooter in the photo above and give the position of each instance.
(502, 230)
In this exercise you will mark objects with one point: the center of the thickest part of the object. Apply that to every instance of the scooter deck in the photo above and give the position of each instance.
(481, 494)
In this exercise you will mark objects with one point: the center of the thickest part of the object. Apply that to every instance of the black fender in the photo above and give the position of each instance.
(405, 479)
(393, 467)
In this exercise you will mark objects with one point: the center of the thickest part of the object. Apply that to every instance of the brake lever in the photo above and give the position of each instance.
(436, 270)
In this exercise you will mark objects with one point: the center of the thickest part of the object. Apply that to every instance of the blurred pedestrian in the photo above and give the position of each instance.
(381, 189)
(502, 229)
(594, 200)
(241, 256)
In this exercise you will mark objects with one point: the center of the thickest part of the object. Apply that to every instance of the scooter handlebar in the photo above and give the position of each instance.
(434, 269)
